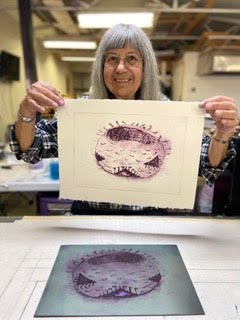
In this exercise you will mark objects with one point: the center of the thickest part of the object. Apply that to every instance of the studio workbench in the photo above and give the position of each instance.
(210, 249)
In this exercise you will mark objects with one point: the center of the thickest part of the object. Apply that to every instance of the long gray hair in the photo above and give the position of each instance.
(118, 37)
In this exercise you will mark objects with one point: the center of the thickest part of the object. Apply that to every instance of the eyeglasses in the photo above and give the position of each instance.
(129, 61)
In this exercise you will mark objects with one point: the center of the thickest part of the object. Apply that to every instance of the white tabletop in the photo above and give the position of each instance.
(209, 247)
(18, 176)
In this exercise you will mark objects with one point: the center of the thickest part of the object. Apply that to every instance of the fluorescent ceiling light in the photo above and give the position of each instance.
(78, 59)
(107, 20)
(67, 44)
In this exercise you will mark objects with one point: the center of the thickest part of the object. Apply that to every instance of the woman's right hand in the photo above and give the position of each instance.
(39, 96)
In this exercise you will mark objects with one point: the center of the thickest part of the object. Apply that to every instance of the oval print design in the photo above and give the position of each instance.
(115, 273)
(133, 150)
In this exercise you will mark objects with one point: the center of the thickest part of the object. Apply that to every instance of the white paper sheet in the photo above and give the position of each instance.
(130, 152)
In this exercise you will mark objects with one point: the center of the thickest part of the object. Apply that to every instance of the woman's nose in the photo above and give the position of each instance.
(121, 65)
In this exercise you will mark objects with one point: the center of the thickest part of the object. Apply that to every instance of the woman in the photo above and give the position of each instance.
(125, 68)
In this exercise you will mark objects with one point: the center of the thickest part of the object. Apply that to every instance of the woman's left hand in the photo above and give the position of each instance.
(223, 110)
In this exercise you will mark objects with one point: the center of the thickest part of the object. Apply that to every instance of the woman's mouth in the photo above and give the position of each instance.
(122, 81)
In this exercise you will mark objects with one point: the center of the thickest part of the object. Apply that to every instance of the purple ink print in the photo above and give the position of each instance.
(131, 150)
(114, 273)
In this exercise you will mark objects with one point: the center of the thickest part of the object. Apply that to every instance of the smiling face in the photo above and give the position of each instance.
(122, 72)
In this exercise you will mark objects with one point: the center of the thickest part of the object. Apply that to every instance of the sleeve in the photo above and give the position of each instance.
(44, 144)
(210, 174)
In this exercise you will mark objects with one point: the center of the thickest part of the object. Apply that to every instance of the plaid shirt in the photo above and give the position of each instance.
(45, 146)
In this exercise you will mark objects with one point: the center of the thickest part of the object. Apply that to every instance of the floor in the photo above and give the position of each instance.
(18, 204)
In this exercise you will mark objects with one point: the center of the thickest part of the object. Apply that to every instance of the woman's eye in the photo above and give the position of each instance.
(112, 59)
(132, 59)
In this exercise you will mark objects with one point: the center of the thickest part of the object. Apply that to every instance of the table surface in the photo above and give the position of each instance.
(210, 249)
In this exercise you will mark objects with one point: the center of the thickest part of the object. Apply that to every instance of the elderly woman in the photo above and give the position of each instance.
(125, 68)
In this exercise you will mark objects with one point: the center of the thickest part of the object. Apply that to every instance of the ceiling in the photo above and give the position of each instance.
(179, 24)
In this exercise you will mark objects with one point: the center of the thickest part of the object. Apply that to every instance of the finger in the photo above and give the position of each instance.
(216, 99)
(225, 114)
(42, 99)
(29, 107)
(231, 123)
(36, 88)
(34, 106)
(212, 106)
(50, 88)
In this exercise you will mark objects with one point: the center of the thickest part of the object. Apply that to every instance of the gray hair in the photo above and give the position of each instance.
(118, 37)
